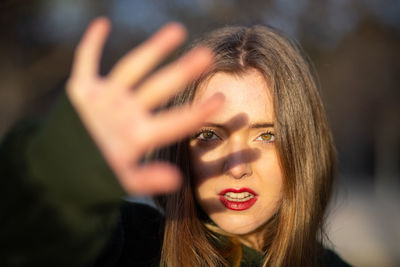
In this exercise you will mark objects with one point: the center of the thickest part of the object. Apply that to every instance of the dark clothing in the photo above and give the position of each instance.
(149, 229)
(61, 204)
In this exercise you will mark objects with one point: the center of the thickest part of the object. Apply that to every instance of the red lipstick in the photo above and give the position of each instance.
(238, 199)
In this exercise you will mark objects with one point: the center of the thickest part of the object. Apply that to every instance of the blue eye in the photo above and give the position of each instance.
(266, 137)
(206, 135)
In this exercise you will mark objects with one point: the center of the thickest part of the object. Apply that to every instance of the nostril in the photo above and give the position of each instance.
(238, 164)
(238, 168)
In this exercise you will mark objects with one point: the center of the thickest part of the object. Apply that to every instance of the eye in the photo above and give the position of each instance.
(206, 135)
(266, 137)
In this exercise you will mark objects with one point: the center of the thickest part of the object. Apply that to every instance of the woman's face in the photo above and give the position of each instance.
(238, 180)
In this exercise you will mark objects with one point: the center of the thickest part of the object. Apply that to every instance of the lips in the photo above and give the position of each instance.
(238, 199)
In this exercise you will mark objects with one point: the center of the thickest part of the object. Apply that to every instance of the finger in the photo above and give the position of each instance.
(153, 178)
(180, 122)
(168, 81)
(88, 52)
(145, 57)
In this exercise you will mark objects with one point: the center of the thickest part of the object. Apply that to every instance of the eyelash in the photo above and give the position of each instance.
(214, 135)
(202, 131)
(269, 133)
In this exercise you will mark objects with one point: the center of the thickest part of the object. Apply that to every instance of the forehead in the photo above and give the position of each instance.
(247, 94)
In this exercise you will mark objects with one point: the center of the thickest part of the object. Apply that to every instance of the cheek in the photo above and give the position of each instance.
(268, 163)
(205, 170)
(271, 178)
(205, 163)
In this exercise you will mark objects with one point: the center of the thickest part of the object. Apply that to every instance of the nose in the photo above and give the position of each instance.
(237, 163)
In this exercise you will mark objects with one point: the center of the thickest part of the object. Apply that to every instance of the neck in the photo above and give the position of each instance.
(255, 239)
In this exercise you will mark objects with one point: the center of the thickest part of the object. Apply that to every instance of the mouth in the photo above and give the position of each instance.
(238, 199)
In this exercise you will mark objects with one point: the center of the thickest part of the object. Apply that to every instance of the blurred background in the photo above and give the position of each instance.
(354, 44)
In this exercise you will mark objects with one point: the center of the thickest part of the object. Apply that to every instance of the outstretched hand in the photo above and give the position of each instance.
(116, 110)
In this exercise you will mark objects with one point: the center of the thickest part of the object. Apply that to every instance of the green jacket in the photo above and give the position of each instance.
(62, 206)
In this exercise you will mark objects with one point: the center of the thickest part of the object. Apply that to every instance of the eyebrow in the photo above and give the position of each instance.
(262, 125)
(252, 126)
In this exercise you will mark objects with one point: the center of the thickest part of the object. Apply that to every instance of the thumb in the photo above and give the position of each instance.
(152, 178)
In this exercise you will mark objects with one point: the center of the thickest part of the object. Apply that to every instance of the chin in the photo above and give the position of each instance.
(237, 226)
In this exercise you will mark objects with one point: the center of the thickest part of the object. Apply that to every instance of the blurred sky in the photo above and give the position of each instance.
(355, 47)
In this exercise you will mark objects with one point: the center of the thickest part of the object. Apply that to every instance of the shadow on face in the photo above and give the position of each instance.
(225, 162)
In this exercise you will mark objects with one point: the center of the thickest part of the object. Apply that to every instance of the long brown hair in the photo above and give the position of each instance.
(305, 151)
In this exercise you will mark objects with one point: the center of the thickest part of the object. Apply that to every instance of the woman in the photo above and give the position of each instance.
(257, 174)
(260, 171)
